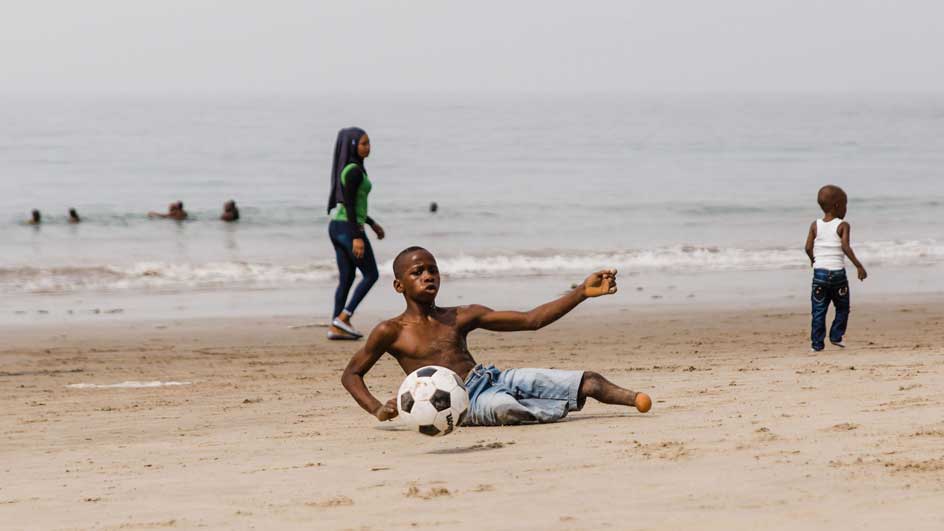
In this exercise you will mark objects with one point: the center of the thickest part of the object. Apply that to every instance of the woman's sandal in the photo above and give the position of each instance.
(342, 337)
(337, 323)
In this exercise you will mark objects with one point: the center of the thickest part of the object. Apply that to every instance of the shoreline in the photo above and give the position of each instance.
(642, 291)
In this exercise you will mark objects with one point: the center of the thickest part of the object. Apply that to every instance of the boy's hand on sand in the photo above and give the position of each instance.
(600, 283)
(387, 411)
(862, 273)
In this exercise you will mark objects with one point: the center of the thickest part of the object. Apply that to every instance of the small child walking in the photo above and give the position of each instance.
(827, 245)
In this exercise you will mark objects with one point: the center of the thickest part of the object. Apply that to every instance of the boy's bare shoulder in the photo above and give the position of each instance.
(472, 310)
(387, 331)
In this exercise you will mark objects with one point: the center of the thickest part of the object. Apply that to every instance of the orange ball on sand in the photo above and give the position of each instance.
(643, 402)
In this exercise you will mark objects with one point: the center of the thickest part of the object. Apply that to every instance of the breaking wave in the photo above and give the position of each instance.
(683, 259)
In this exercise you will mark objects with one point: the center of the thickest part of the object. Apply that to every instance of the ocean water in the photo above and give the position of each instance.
(545, 187)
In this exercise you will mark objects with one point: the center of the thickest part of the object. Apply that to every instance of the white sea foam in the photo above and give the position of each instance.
(684, 259)
(127, 385)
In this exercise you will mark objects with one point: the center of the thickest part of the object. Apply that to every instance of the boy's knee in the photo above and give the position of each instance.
(591, 383)
(512, 415)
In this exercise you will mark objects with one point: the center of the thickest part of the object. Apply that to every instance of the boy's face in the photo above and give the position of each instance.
(419, 277)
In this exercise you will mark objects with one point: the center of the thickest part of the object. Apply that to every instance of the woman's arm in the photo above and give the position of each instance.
(352, 181)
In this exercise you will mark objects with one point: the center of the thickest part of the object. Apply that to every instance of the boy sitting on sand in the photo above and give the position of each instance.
(425, 334)
(827, 245)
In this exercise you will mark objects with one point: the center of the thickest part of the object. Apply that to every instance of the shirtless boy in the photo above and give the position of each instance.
(426, 334)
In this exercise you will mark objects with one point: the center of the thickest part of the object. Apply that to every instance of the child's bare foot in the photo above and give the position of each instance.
(642, 402)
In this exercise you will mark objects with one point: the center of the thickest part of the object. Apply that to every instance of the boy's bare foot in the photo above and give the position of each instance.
(642, 402)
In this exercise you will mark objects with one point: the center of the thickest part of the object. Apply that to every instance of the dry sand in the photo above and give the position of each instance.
(748, 429)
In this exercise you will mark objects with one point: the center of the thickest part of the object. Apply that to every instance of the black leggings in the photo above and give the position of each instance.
(342, 237)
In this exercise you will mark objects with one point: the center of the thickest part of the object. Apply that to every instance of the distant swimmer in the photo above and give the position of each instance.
(74, 216)
(174, 211)
(36, 218)
(230, 212)
(433, 207)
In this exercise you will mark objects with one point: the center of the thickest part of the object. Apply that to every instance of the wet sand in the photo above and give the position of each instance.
(748, 428)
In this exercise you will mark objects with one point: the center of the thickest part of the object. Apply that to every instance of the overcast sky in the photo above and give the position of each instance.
(186, 46)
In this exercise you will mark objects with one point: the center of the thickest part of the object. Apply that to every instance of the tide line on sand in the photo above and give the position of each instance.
(127, 385)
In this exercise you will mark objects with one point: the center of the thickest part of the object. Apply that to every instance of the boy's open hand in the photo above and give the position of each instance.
(387, 411)
(600, 283)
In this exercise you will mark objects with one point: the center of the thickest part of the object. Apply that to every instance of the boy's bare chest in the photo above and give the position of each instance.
(429, 340)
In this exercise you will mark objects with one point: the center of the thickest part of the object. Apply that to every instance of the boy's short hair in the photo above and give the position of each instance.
(828, 196)
(398, 261)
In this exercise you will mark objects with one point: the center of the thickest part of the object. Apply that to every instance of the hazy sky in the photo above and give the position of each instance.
(425, 45)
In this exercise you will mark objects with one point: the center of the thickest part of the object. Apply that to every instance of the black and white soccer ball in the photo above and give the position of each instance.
(434, 400)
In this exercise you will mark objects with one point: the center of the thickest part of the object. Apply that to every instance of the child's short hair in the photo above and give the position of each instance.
(828, 196)
(398, 261)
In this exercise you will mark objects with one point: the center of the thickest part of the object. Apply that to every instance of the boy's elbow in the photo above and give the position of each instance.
(347, 379)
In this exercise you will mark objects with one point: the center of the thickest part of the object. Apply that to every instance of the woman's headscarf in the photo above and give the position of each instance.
(345, 152)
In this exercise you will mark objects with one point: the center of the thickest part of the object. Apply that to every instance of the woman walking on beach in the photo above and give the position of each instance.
(350, 187)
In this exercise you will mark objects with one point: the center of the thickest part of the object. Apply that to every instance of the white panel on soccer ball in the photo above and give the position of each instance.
(423, 413)
(445, 421)
(423, 389)
(407, 384)
(460, 400)
(445, 380)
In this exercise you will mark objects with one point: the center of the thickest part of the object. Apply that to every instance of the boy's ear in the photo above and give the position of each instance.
(397, 285)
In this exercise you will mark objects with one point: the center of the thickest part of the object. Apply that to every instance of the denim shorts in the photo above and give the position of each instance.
(515, 396)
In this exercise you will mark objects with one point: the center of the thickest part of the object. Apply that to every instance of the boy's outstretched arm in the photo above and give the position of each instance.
(379, 340)
(599, 283)
(845, 233)
(810, 237)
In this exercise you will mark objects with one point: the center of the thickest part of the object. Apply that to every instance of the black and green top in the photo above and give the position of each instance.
(355, 187)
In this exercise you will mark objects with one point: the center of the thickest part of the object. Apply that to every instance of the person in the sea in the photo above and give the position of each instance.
(35, 218)
(175, 210)
(827, 245)
(74, 216)
(230, 211)
(426, 334)
(350, 187)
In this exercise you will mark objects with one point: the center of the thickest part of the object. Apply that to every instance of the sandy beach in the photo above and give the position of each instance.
(748, 429)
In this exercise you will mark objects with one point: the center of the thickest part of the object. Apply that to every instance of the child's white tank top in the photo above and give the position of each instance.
(827, 247)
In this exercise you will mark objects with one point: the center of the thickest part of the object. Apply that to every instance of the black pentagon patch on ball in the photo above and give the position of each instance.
(406, 402)
(441, 400)
(430, 430)
(426, 371)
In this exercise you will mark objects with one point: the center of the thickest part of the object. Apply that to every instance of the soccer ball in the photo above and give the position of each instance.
(433, 399)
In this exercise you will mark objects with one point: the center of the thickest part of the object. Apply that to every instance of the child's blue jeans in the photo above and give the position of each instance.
(829, 286)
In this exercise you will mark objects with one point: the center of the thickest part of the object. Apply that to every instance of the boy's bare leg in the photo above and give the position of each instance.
(599, 388)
